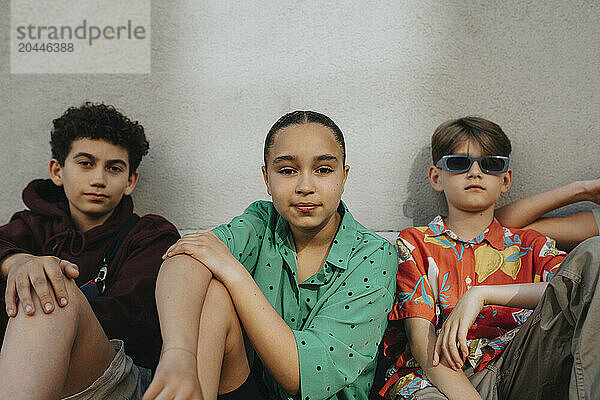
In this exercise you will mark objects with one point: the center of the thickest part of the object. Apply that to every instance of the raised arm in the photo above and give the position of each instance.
(567, 231)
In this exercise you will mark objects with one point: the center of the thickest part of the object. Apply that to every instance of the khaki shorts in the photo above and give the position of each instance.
(123, 380)
(596, 213)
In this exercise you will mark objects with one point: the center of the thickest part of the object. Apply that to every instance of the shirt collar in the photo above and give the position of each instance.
(494, 233)
(339, 254)
(340, 251)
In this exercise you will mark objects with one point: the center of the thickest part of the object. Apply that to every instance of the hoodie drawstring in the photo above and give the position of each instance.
(55, 243)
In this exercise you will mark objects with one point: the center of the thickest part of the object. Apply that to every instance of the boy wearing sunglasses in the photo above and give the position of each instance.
(464, 325)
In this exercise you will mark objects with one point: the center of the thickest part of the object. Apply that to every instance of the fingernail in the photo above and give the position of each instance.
(48, 307)
(28, 309)
(11, 311)
(63, 301)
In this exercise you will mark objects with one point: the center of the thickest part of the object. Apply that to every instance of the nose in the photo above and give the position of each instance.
(305, 183)
(475, 170)
(98, 177)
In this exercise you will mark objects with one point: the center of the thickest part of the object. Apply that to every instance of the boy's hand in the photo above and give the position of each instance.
(453, 333)
(25, 270)
(176, 377)
(207, 248)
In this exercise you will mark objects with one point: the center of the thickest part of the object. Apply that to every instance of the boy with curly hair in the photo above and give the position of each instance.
(56, 339)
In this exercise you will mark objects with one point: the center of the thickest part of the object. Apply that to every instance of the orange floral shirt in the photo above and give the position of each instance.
(437, 268)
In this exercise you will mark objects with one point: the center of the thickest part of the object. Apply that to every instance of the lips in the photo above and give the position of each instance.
(96, 196)
(306, 207)
(475, 187)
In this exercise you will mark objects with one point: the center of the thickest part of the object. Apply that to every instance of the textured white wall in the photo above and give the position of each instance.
(387, 72)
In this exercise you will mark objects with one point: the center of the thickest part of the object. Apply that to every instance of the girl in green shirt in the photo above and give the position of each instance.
(308, 285)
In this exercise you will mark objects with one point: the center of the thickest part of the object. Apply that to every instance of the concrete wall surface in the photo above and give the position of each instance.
(388, 72)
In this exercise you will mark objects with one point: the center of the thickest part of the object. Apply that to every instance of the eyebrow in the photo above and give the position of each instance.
(327, 157)
(283, 158)
(323, 157)
(91, 157)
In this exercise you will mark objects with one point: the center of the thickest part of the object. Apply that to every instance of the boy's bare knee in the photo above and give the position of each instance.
(69, 313)
(77, 300)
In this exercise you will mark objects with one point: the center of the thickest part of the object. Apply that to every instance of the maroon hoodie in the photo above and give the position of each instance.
(127, 309)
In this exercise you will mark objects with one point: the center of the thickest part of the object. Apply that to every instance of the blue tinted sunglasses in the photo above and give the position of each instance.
(459, 163)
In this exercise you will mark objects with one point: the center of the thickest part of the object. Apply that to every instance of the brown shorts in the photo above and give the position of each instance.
(122, 380)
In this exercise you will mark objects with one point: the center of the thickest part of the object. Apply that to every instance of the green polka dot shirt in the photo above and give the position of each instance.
(338, 315)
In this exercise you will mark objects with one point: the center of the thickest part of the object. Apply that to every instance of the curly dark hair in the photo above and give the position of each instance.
(98, 121)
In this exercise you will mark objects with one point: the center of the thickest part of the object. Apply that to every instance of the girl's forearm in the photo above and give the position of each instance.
(272, 339)
(181, 287)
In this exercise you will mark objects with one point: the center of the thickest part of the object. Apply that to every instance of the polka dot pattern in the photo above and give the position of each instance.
(337, 315)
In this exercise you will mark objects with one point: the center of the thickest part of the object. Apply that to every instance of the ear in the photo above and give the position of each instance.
(131, 182)
(346, 170)
(55, 170)
(435, 178)
(506, 181)
(266, 179)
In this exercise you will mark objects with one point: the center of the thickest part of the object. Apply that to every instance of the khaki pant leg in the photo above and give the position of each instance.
(428, 393)
(556, 354)
(484, 381)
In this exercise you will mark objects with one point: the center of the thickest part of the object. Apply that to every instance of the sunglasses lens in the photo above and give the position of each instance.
(493, 164)
(457, 163)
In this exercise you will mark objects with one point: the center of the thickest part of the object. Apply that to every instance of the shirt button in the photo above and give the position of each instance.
(468, 280)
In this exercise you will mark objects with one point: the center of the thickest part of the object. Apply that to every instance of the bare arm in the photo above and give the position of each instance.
(453, 383)
(271, 337)
(567, 231)
(454, 330)
(522, 295)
